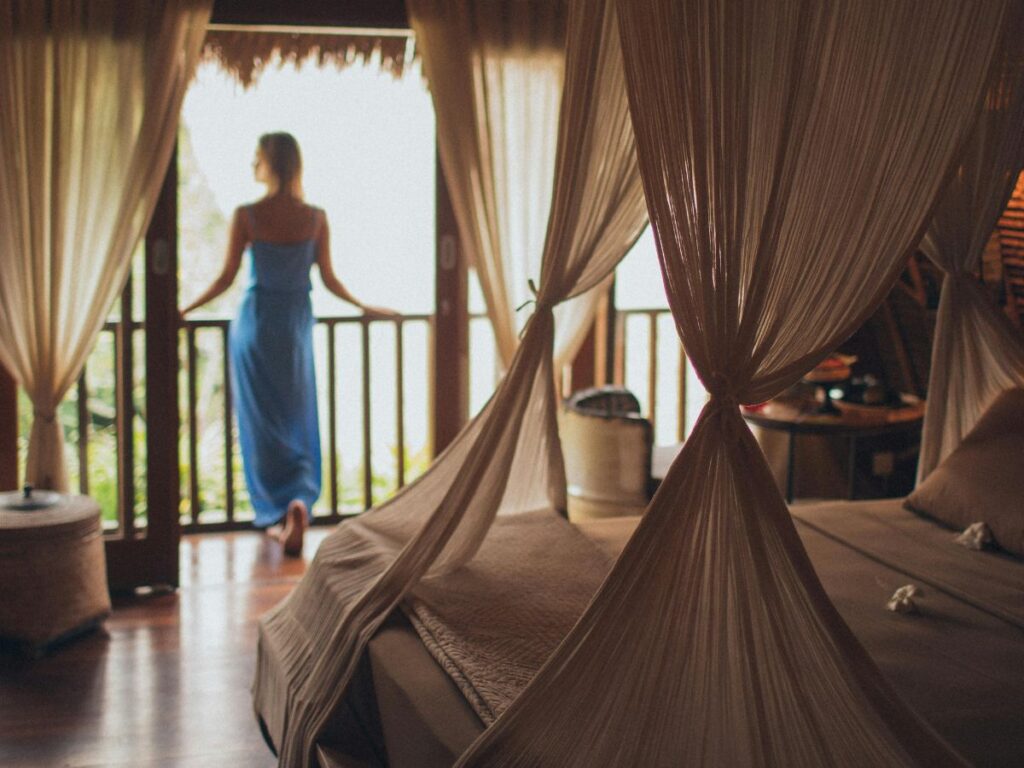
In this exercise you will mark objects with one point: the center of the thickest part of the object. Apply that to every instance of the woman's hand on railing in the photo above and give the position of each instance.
(379, 313)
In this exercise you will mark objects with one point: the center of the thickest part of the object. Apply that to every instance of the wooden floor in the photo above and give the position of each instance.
(166, 683)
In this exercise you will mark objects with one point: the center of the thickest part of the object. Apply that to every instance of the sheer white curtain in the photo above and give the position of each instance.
(90, 92)
(496, 79)
(976, 352)
(507, 460)
(791, 153)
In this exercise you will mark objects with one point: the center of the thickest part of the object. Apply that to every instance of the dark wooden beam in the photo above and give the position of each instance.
(450, 382)
(8, 431)
(590, 368)
(153, 558)
(163, 483)
(609, 341)
(584, 366)
(381, 14)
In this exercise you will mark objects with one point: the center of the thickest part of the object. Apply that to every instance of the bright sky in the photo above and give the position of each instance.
(368, 152)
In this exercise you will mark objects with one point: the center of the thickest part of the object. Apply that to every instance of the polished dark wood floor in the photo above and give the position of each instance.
(166, 682)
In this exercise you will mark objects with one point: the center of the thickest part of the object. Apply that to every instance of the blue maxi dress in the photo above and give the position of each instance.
(272, 375)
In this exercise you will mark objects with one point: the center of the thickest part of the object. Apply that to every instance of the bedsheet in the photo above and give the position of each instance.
(957, 660)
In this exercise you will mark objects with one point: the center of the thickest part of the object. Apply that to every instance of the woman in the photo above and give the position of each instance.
(271, 341)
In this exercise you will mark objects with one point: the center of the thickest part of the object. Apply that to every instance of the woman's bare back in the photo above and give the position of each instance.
(283, 219)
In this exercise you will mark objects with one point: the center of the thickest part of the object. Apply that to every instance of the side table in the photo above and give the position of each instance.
(53, 576)
(852, 423)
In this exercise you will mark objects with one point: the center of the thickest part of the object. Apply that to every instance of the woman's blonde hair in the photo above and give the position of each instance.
(281, 151)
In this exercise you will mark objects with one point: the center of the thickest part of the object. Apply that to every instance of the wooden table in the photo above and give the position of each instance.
(853, 423)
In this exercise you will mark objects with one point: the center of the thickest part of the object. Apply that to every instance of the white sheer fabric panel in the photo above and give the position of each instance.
(497, 87)
(791, 152)
(976, 352)
(507, 460)
(499, 90)
(90, 93)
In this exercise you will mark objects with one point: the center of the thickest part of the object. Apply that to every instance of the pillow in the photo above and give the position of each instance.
(983, 479)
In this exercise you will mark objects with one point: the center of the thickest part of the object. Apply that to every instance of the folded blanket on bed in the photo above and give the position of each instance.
(493, 623)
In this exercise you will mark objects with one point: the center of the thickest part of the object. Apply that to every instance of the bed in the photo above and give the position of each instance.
(434, 675)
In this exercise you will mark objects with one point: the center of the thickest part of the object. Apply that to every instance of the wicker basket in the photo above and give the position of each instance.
(53, 575)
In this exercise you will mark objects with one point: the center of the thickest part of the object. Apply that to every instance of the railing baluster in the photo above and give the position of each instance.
(125, 419)
(83, 434)
(332, 419)
(367, 441)
(229, 460)
(400, 400)
(652, 369)
(195, 502)
(620, 348)
(192, 328)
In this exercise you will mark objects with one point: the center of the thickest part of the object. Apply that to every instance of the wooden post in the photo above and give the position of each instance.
(590, 367)
(603, 341)
(162, 476)
(450, 379)
(584, 365)
(8, 432)
(612, 342)
(150, 556)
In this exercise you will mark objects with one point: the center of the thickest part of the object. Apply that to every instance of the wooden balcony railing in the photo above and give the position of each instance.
(106, 421)
(225, 512)
(681, 404)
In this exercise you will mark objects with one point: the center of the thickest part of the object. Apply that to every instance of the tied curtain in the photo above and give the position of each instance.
(976, 352)
(508, 459)
(90, 92)
(791, 154)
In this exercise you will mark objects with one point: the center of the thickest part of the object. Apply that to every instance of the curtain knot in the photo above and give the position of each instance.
(537, 302)
(539, 305)
(47, 415)
(721, 391)
(961, 276)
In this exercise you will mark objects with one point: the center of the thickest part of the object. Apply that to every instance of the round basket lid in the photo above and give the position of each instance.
(28, 499)
(69, 515)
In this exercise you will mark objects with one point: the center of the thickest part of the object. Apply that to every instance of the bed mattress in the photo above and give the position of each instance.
(957, 660)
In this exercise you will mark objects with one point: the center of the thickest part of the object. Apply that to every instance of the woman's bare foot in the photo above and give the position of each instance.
(295, 524)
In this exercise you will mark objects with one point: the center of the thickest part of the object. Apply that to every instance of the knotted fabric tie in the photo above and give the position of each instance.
(538, 304)
(723, 396)
(533, 290)
(48, 416)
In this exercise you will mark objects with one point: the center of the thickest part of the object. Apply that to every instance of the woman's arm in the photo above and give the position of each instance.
(237, 241)
(331, 281)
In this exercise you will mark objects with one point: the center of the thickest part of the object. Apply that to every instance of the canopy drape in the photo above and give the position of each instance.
(976, 352)
(496, 75)
(90, 92)
(791, 154)
(508, 459)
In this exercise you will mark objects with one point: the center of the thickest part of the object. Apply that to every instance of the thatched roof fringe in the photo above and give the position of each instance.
(245, 54)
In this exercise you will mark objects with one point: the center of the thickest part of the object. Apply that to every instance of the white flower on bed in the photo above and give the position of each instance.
(976, 536)
(902, 599)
